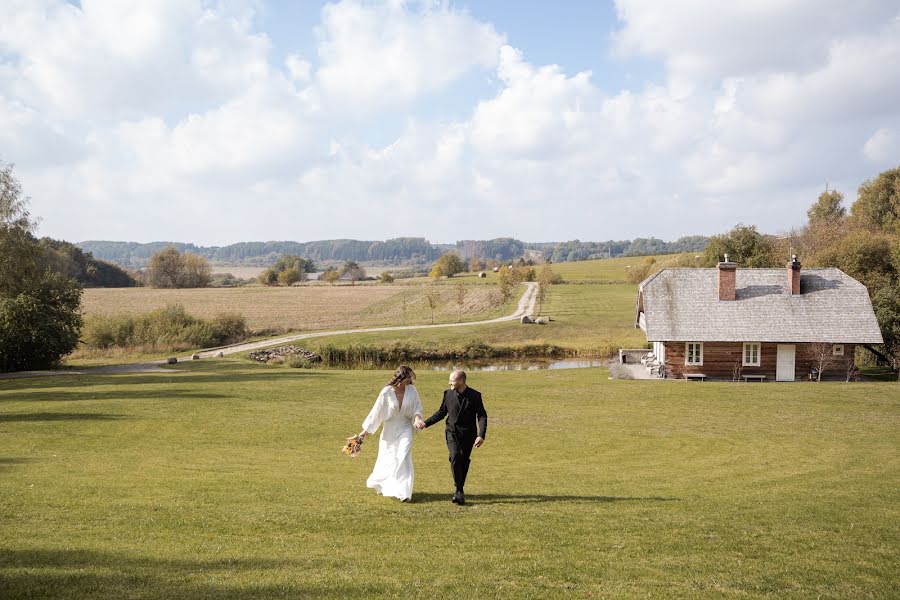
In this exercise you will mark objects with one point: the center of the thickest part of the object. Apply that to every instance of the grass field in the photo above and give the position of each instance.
(592, 314)
(593, 320)
(225, 481)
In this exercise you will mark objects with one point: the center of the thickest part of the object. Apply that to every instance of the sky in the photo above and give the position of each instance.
(216, 122)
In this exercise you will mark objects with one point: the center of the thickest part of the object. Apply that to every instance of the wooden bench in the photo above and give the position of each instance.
(759, 378)
(695, 376)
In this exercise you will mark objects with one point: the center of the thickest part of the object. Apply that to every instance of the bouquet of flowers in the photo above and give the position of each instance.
(353, 446)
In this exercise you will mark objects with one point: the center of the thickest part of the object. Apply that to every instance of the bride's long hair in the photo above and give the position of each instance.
(402, 373)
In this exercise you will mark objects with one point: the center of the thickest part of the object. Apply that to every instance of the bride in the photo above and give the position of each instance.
(398, 408)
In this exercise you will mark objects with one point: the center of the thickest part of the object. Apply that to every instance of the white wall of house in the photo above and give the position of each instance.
(659, 351)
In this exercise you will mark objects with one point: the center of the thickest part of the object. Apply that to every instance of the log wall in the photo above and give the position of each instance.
(722, 360)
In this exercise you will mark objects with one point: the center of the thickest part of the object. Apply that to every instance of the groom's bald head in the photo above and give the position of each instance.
(458, 380)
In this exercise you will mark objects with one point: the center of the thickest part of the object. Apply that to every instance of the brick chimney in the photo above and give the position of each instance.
(727, 279)
(793, 273)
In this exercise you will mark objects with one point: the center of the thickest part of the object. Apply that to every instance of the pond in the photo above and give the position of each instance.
(499, 365)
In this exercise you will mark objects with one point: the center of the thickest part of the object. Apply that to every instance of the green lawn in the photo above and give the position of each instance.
(592, 319)
(226, 481)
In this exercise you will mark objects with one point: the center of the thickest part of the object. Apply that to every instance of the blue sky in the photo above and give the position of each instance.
(216, 122)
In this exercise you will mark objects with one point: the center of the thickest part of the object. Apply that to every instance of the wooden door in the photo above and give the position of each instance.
(784, 365)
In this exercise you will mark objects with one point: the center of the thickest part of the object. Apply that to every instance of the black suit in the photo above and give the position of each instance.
(466, 420)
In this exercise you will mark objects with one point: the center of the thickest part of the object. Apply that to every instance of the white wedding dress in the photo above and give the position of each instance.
(393, 472)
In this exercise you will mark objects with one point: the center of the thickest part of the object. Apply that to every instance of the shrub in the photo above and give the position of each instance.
(167, 328)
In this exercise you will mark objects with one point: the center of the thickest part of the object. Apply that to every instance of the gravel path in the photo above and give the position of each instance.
(525, 307)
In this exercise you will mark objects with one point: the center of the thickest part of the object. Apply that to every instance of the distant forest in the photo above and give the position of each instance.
(408, 251)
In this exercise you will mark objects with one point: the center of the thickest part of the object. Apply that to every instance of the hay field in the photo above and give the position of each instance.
(264, 308)
(239, 271)
(308, 307)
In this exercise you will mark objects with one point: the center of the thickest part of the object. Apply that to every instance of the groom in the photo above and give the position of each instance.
(463, 407)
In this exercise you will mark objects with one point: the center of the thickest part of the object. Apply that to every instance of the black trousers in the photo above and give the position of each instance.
(460, 447)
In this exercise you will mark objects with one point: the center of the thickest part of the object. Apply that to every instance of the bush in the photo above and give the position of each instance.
(40, 326)
(170, 328)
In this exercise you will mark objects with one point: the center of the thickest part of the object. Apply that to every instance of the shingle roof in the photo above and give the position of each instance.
(683, 305)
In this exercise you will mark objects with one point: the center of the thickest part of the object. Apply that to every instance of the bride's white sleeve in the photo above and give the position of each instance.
(417, 404)
(377, 415)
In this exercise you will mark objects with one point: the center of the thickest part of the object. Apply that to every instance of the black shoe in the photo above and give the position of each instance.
(458, 498)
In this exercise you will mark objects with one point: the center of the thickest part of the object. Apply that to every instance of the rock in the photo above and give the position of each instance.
(220, 354)
(525, 320)
(195, 357)
(542, 320)
(281, 352)
(171, 360)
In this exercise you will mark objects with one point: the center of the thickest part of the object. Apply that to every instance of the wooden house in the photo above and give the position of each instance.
(766, 324)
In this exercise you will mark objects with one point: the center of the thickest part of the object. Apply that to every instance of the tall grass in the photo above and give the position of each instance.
(169, 328)
(363, 355)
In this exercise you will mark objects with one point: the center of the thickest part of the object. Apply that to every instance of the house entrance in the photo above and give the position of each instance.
(784, 367)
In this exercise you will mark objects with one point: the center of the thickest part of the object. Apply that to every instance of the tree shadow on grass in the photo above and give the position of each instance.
(128, 395)
(90, 574)
(476, 499)
(226, 375)
(7, 464)
(28, 417)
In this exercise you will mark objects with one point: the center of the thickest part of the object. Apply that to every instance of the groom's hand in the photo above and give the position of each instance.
(479, 441)
(420, 424)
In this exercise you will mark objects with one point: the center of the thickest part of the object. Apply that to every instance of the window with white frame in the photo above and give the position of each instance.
(693, 353)
(751, 354)
(837, 350)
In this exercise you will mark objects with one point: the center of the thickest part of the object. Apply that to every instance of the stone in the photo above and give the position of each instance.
(195, 357)
(281, 352)
(525, 320)
(220, 354)
(542, 320)
(171, 360)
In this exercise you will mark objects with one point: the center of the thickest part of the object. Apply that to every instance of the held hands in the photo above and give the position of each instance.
(420, 424)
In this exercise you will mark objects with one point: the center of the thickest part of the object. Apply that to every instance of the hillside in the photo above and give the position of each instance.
(397, 251)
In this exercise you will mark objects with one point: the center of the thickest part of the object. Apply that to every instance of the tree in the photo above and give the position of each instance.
(353, 271)
(290, 276)
(40, 311)
(642, 271)
(448, 265)
(386, 277)
(461, 292)
(865, 256)
(165, 268)
(330, 275)
(475, 264)
(432, 299)
(743, 245)
(878, 204)
(544, 282)
(827, 208)
(505, 283)
(823, 357)
(195, 271)
(171, 269)
(268, 277)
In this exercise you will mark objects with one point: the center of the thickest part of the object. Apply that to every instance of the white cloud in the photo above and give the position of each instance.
(177, 122)
(715, 40)
(375, 56)
(883, 146)
(108, 60)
